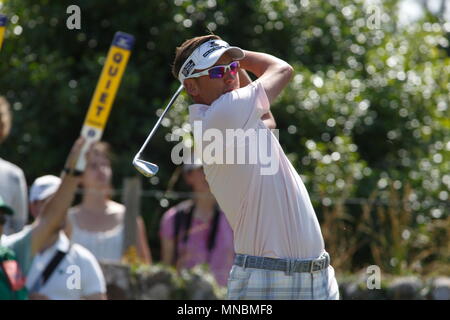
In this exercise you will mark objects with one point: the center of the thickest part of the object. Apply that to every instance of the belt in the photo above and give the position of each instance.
(288, 265)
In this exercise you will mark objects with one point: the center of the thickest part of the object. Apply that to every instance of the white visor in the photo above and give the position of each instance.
(206, 56)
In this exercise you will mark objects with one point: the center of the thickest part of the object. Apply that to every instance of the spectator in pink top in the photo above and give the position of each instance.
(196, 231)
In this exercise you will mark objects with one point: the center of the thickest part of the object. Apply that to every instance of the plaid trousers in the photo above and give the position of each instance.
(261, 284)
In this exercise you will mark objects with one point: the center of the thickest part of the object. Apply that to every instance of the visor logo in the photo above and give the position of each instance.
(207, 53)
(188, 68)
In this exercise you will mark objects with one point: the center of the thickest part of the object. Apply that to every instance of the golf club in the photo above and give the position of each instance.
(149, 169)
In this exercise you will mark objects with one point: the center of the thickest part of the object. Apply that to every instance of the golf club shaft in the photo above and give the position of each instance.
(174, 97)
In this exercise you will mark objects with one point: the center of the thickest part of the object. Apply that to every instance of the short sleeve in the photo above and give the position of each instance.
(17, 199)
(239, 109)
(93, 280)
(20, 202)
(20, 243)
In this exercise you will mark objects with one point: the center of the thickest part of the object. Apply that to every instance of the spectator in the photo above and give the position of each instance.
(12, 282)
(25, 244)
(49, 273)
(98, 222)
(196, 231)
(13, 186)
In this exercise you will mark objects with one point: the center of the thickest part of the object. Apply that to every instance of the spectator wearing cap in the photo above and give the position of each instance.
(13, 187)
(54, 266)
(35, 238)
(196, 231)
(12, 282)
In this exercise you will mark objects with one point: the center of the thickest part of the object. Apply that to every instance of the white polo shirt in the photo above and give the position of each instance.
(13, 189)
(77, 275)
(266, 202)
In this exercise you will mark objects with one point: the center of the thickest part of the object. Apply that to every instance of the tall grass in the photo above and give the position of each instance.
(383, 230)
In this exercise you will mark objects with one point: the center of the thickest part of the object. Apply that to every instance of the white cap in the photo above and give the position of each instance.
(207, 55)
(43, 187)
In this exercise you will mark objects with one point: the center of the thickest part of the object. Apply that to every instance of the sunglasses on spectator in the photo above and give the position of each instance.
(217, 72)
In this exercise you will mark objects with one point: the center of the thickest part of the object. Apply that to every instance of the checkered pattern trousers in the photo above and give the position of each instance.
(261, 284)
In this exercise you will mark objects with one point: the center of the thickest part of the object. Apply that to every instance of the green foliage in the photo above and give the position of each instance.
(197, 283)
(367, 108)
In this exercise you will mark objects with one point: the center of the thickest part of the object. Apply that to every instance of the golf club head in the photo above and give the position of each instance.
(146, 168)
(149, 169)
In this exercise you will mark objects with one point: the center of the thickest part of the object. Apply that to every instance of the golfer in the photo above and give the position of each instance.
(279, 246)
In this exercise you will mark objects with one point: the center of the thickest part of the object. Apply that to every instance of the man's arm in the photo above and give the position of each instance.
(269, 120)
(273, 73)
(245, 80)
(55, 209)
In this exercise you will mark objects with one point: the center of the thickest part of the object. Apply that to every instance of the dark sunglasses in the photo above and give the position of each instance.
(217, 72)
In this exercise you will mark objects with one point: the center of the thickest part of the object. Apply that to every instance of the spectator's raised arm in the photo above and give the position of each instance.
(55, 210)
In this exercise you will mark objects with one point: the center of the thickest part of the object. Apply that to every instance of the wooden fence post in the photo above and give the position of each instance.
(131, 198)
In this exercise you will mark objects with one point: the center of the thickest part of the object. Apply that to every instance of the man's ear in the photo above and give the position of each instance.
(191, 87)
